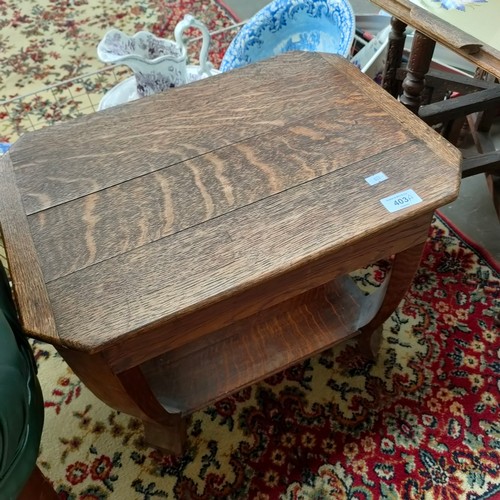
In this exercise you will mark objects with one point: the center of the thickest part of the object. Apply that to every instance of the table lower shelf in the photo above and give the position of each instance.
(225, 361)
(164, 390)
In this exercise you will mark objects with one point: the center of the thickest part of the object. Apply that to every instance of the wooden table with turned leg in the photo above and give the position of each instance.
(183, 246)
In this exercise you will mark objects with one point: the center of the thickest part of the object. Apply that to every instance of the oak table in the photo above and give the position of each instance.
(183, 246)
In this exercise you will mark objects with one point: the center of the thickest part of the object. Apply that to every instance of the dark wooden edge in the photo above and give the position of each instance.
(30, 293)
(458, 82)
(415, 126)
(458, 39)
(483, 163)
(486, 57)
(460, 106)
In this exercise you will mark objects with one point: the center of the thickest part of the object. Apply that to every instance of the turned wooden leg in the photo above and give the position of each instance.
(418, 65)
(403, 271)
(395, 49)
(130, 393)
(38, 487)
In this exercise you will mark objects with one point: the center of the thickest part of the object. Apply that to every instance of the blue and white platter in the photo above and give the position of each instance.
(286, 25)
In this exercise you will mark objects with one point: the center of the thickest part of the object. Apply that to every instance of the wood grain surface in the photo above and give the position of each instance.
(228, 253)
(246, 351)
(180, 330)
(29, 291)
(149, 213)
(121, 218)
(57, 165)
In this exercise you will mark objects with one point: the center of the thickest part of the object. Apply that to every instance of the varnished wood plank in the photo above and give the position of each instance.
(116, 220)
(353, 297)
(446, 153)
(59, 164)
(181, 331)
(30, 291)
(249, 350)
(202, 264)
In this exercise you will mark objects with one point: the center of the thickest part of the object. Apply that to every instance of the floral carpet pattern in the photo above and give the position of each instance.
(44, 43)
(422, 422)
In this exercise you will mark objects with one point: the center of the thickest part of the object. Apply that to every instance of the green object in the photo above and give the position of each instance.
(21, 400)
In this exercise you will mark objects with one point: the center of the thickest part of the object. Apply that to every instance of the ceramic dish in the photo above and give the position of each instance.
(126, 91)
(285, 25)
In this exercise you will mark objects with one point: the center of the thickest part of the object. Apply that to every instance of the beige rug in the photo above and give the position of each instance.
(48, 42)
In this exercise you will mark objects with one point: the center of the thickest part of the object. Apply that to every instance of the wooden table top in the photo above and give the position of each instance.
(472, 32)
(238, 190)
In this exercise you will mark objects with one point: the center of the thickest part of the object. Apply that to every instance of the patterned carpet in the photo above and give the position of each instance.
(45, 43)
(421, 423)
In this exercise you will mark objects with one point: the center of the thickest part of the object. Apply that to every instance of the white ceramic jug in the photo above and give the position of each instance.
(157, 64)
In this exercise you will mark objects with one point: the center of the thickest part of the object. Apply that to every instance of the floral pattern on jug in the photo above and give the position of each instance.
(143, 44)
(153, 82)
(157, 64)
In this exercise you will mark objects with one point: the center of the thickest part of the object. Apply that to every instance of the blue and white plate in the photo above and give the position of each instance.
(285, 25)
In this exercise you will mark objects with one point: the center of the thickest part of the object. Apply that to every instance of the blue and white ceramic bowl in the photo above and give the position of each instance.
(285, 25)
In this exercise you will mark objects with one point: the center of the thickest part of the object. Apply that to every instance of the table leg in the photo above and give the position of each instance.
(130, 393)
(419, 62)
(395, 49)
(404, 267)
